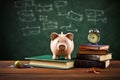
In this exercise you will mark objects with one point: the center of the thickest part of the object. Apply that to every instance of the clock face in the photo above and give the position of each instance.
(93, 37)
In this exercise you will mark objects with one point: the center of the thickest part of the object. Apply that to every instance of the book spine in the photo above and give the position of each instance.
(89, 57)
(94, 47)
(89, 64)
(93, 52)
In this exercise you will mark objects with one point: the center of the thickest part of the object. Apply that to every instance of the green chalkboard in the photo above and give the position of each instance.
(26, 25)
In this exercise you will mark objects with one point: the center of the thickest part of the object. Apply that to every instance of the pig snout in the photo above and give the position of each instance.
(61, 47)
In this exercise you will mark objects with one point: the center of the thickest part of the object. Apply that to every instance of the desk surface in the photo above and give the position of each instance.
(7, 73)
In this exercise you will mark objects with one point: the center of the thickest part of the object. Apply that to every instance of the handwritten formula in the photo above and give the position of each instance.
(33, 11)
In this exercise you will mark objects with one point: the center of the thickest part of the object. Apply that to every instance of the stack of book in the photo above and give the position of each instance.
(46, 61)
(93, 56)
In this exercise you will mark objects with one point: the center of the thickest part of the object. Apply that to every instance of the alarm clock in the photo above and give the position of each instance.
(94, 36)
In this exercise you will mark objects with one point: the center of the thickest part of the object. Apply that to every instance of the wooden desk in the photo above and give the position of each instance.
(7, 73)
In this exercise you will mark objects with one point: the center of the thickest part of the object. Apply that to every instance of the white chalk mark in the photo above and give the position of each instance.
(104, 20)
(26, 12)
(27, 31)
(24, 3)
(69, 28)
(60, 3)
(44, 8)
(74, 16)
(61, 7)
(61, 11)
(26, 15)
(62, 14)
(43, 18)
(27, 19)
(95, 15)
(50, 25)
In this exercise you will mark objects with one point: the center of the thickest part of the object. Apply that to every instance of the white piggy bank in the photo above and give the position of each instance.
(62, 44)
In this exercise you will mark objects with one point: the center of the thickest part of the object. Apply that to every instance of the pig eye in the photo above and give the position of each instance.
(65, 41)
(58, 41)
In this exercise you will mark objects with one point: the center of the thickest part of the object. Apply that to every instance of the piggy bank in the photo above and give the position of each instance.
(61, 45)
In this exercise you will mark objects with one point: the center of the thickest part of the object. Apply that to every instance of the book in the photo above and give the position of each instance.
(93, 47)
(46, 61)
(91, 63)
(93, 52)
(94, 57)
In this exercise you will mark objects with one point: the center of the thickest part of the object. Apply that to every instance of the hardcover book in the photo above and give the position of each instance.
(94, 57)
(91, 63)
(46, 61)
(93, 47)
(99, 52)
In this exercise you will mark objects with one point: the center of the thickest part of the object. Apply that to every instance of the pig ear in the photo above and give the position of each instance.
(70, 36)
(53, 35)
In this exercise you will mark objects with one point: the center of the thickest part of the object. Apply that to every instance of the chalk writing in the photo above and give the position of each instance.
(95, 15)
(61, 11)
(26, 12)
(69, 28)
(44, 8)
(26, 16)
(50, 25)
(27, 19)
(61, 7)
(35, 12)
(74, 16)
(61, 3)
(27, 31)
(43, 18)
(24, 3)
